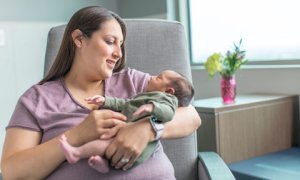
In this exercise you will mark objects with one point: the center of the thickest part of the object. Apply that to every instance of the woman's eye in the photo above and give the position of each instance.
(109, 42)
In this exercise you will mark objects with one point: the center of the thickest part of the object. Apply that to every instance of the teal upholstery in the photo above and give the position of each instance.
(214, 166)
(283, 165)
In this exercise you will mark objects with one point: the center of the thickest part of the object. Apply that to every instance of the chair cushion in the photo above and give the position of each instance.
(279, 165)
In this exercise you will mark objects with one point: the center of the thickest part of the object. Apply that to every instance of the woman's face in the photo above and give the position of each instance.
(98, 55)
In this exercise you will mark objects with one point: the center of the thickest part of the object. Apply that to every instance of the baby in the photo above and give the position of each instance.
(165, 92)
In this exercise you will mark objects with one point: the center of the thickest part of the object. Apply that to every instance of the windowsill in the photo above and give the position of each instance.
(282, 66)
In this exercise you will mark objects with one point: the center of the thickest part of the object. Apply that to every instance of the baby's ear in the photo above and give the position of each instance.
(170, 90)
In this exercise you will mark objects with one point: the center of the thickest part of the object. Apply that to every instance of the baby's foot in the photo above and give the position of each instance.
(71, 153)
(99, 164)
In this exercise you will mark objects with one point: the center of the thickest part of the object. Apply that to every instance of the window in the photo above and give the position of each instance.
(269, 28)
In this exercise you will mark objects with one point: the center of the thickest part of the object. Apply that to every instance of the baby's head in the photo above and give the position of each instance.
(173, 83)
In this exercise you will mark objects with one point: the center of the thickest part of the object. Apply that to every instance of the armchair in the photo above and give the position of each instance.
(152, 46)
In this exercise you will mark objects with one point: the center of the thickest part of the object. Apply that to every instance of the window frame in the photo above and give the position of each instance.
(254, 63)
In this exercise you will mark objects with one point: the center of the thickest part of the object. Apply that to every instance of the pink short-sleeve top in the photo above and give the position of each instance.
(51, 110)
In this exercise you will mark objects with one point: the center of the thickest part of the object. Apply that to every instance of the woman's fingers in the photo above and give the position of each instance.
(113, 131)
(110, 151)
(110, 123)
(115, 150)
(104, 119)
(129, 142)
(97, 123)
(130, 163)
(116, 160)
(126, 159)
(109, 114)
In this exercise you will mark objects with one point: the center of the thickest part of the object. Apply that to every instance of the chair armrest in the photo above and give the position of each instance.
(212, 166)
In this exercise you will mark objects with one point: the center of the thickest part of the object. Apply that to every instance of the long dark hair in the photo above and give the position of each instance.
(87, 20)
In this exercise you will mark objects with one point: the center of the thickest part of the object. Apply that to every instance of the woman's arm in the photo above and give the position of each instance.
(25, 158)
(185, 121)
(134, 137)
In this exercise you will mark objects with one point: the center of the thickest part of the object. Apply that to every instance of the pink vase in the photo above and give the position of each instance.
(228, 89)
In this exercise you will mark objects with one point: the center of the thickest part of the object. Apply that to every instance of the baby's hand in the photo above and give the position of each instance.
(97, 100)
(144, 109)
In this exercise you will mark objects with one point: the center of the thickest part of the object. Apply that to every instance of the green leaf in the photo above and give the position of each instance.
(227, 65)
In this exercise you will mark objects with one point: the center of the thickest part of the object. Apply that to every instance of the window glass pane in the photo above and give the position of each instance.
(270, 29)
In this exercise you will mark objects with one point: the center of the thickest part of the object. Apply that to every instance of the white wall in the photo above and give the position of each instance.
(249, 80)
(21, 63)
(24, 26)
(47, 10)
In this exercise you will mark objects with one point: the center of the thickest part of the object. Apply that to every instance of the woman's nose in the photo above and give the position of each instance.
(117, 54)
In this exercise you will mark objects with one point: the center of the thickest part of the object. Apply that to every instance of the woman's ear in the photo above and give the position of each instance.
(170, 90)
(77, 37)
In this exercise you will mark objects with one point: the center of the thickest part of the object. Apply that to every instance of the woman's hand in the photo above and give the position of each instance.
(132, 138)
(129, 143)
(98, 124)
(46, 157)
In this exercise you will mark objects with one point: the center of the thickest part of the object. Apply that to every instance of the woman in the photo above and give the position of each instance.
(92, 49)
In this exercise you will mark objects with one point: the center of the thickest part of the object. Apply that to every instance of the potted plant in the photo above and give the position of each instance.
(226, 66)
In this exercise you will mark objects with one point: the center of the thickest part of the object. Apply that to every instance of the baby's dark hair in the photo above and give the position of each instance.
(184, 90)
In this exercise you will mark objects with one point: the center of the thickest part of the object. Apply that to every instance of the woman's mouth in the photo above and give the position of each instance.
(111, 63)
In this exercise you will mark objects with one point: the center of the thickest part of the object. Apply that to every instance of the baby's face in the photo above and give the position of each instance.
(161, 81)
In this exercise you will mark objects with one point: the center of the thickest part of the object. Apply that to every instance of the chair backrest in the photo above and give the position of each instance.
(152, 46)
